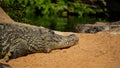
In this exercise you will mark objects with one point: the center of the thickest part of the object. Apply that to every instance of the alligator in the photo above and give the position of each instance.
(97, 27)
(18, 40)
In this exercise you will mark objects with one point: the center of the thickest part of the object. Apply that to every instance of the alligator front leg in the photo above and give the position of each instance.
(18, 49)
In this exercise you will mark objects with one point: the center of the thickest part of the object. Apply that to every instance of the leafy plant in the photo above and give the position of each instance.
(45, 12)
(81, 9)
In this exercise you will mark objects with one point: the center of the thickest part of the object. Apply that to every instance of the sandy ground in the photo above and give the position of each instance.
(100, 50)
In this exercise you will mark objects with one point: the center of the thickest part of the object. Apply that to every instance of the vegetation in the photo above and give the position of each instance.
(53, 14)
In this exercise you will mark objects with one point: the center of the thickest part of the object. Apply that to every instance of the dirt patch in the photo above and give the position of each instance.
(100, 50)
(4, 17)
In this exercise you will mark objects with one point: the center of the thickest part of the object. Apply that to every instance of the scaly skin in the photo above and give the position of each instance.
(17, 40)
(4, 65)
(97, 27)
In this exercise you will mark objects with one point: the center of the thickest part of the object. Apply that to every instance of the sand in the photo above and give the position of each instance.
(99, 50)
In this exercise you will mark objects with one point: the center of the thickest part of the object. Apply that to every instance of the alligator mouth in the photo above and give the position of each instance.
(68, 41)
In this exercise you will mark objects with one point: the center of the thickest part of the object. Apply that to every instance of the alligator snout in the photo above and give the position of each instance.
(72, 39)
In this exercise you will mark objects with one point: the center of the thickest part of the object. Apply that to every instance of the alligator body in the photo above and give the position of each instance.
(17, 40)
(97, 27)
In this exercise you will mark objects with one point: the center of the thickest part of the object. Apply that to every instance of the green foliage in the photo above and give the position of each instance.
(81, 9)
(48, 8)
(45, 6)
(47, 13)
(28, 7)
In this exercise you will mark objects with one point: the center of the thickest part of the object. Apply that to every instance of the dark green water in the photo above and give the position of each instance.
(60, 23)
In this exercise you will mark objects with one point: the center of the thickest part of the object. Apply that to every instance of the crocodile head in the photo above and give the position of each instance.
(67, 41)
